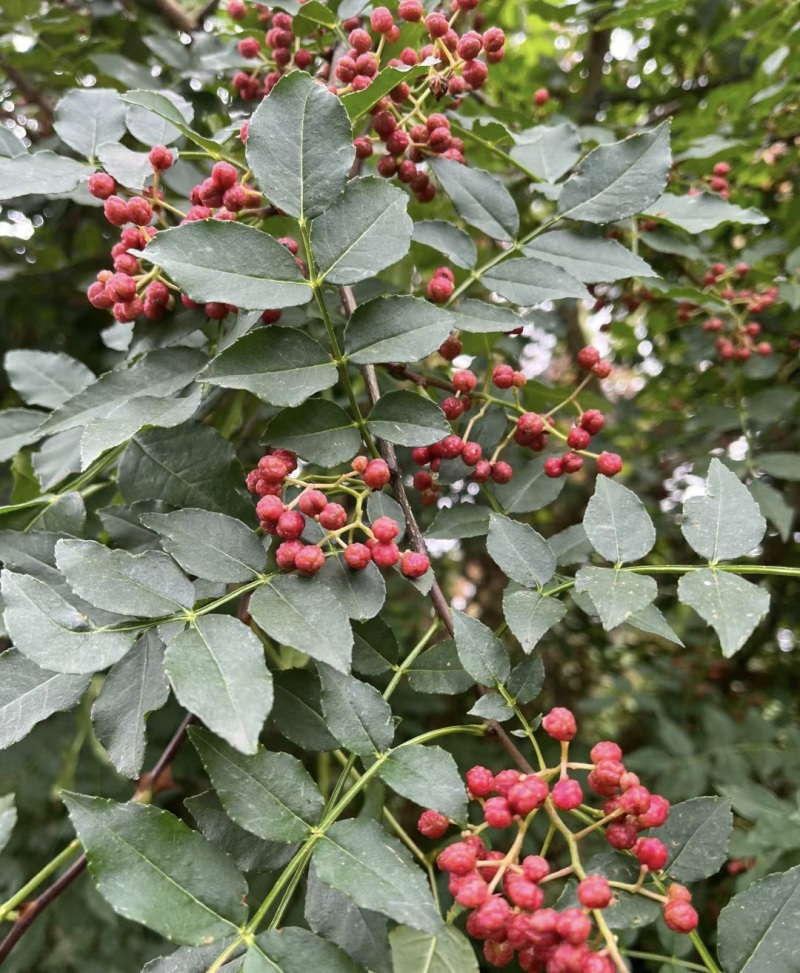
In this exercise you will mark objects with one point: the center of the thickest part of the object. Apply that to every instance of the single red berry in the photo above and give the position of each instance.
(621, 835)
(237, 9)
(522, 892)
(472, 892)
(764, 348)
(309, 560)
(535, 868)
(678, 893)
(381, 20)
(587, 357)
(453, 407)
(224, 175)
(571, 462)
(360, 40)
(422, 480)
(116, 210)
(269, 508)
(594, 892)
(592, 421)
(493, 39)
(717, 184)
(312, 502)
(458, 859)
(553, 467)
(432, 824)
(605, 750)
(385, 529)
(451, 349)
(518, 379)
(363, 148)
(578, 438)
(272, 467)
(595, 963)
(414, 565)
(471, 453)
(120, 287)
(530, 424)
(376, 474)
(503, 376)
(385, 555)
(491, 917)
(333, 516)
(397, 143)
(721, 169)
(480, 781)
(303, 58)
(436, 25)
(445, 272)
(98, 297)
(608, 773)
(359, 464)
(102, 186)
(286, 554)
(609, 464)
(497, 813)
(357, 556)
(482, 471)
(439, 290)
(291, 525)
(541, 96)
(574, 926)
(527, 795)
(635, 800)
(680, 917)
(139, 210)
(651, 853)
(249, 47)
(465, 380)
(655, 815)
(450, 447)
(567, 795)
(560, 724)
(469, 46)
(216, 310)
(602, 369)
(501, 472)
(411, 11)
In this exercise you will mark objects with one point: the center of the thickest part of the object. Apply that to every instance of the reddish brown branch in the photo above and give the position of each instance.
(425, 381)
(174, 14)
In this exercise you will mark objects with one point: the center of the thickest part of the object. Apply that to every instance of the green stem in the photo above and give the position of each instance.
(52, 866)
(412, 655)
(669, 960)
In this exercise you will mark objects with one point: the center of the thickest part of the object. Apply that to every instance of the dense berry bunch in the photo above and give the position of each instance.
(508, 893)
(468, 403)
(288, 519)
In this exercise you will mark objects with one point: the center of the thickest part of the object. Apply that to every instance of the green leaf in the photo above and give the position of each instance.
(18, 428)
(209, 545)
(732, 606)
(318, 430)
(220, 260)
(126, 419)
(356, 713)
(152, 128)
(53, 634)
(39, 174)
(376, 872)
(147, 585)
(135, 687)
(297, 711)
(526, 679)
(250, 854)
(217, 670)
(492, 706)
(447, 952)
(530, 615)
(519, 551)
(8, 818)
(530, 489)
(331, 914)
(591, 260)
(757, 929)
(479, 317)
(783, 466)
(289, 950)
(357, 103)
(697, 833)
(152, 869)
(157, 375)
(448, 239)
(10, 145)
(360, 593)
(548, 151)
(129, 168)
(617, 524)
(46, 378)
(773, 506)
(428, 776)
(439, 671)
(528, 280)
(702, 212)
(380, 504)
(188, 466)
(88, 117)
(312, 12)
(269, 794)
(297, 612)
(479, 198)
(300, 147)
(399, 328)
(459, 521)
(616, 594)
(29, 694)
(408, 419)
(482, 654)
(726, 522)
(279, 365)
(197, 959)
(651, 620)
(172, 110)
(366, 230)
(375, 649)
(618, 180)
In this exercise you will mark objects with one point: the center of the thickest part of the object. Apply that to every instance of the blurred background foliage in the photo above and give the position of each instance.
(726, 74)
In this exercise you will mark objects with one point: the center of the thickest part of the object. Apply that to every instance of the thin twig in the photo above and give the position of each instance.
(174, 13)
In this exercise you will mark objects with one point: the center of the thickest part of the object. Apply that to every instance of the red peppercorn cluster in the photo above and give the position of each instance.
(128, 292)
(531, 431)
(718, 180)
(459, 63)
(287, 520)
(506, 892)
